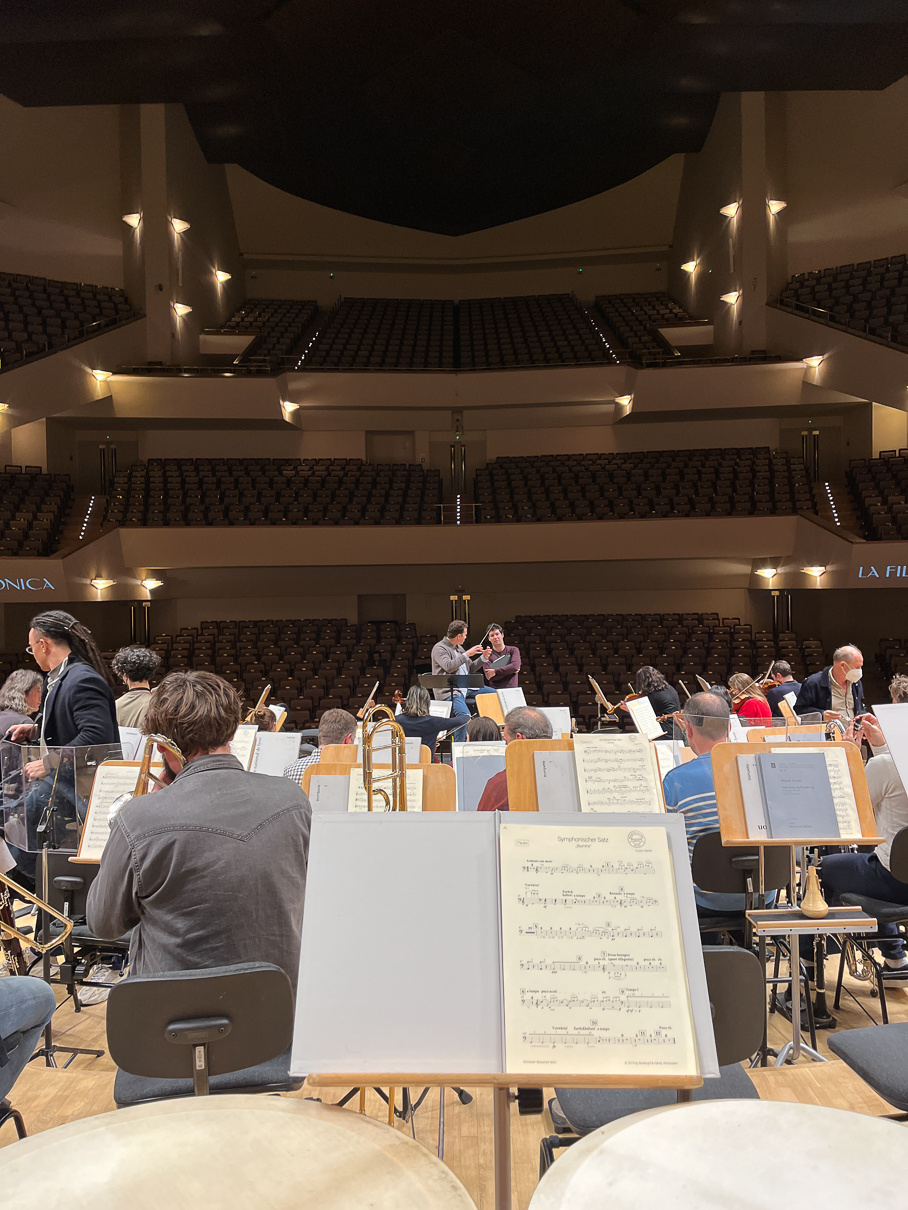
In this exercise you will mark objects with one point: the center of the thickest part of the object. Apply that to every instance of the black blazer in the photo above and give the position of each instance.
(816, 694)
(79, 708)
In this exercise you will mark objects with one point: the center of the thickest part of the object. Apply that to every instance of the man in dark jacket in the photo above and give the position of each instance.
(212, 869)
(77, 711)
(785, 684)
(836, 692)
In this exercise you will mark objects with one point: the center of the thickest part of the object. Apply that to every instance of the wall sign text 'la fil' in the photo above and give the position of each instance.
(892, 572)
(31, 584)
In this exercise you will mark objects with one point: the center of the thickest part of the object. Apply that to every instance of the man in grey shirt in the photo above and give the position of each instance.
(211, 870)
(450, 659)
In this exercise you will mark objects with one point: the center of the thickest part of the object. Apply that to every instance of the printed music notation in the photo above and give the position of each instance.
(642, 1038)
(618, 773)
(592, 887)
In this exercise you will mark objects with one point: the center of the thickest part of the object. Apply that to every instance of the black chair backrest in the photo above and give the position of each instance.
(713, 868)
(898, 855)
(256, 998)
(60, 866)
(737, 995)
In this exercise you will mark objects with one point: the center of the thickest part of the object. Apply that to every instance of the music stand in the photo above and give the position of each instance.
(463, 680)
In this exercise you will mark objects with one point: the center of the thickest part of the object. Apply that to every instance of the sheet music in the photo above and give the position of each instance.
(557, 791)
(440, 709)
(620, 774)
(111, 780)
(131, 741)
(356, 794)
(274, 751)
(474, 764)
(666, 758)
(243, 743)
(328, 792)
(736, 732)
(846, 809)
(560, 718)
(594, 974)
(754, 807)
(644, 717)
(510, 699)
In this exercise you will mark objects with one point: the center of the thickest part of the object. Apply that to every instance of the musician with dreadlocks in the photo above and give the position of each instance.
(77, 707)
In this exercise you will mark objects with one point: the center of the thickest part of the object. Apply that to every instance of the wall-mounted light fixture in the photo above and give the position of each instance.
(179, 225)
(182, 308)
(817, 571)
(689, 266)
(132, 220)
(151, 583)
(813, 362)
(731, 297)
(624, 400)
(288, 406)
(775, 205)
(101, 375)
(221, 276)
(767, 572)
(101, 583)
(4, 407)
(731, 209)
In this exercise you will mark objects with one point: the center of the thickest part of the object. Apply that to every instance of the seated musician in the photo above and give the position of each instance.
(416, 720)
(20, 698)
(522, 723)
(664, 699)
(868, 873)
(26, 1006)
(784, 684)
(505, 676)
(750, 702)
(483, 731)
(212, 870)
(335, 727)
(689, 789)
(836, 690)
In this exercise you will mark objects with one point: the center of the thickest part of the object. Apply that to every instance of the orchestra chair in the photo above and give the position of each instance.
(439, 782)
(68, 883)
(879, 1055)
(26, 1007)
(737, 998)
(520, 766)
(489, 706)
(190, 1033)
(883, 912)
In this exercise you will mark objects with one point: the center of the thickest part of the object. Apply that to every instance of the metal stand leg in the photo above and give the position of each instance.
(501, 1124)
(791, 1051)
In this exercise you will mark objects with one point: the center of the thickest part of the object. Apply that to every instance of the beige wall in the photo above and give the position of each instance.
(60, 207)
(847, 153)
(644, 436)
(890, 429)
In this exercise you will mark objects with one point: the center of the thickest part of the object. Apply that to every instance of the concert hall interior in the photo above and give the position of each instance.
(494, 421)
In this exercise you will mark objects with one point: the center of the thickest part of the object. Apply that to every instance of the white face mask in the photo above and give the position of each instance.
(852, 675)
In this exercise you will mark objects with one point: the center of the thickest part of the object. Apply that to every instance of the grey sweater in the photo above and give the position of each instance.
(209, 871)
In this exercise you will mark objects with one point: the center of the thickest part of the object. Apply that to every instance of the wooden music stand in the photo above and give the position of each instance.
(489, 706)
(345, 754)
(756, 735)
(786, 712)
(439, 785)
(520, 767)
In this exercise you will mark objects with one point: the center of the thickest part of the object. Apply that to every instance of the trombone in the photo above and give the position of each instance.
(145, 776)
(12, 940)
(397, 801)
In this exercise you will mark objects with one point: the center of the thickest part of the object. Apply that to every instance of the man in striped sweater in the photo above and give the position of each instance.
(689, 789)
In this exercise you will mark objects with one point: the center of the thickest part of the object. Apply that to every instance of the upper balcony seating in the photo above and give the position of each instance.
(287, 491)
(33, 511)
(879, 489)
(869, 298)
(39, 315)
(604, 487)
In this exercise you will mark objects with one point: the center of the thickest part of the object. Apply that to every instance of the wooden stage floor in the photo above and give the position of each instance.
(48, 1097)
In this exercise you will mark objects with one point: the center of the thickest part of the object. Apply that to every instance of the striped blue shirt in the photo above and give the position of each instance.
(691, 792)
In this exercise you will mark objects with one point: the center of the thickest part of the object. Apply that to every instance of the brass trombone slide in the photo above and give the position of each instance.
(145, 777)
(12, 940)
(384, 720)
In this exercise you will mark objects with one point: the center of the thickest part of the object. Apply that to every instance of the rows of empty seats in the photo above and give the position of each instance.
(680, 483)
(385, 334)
(38, 314)
(893, 657)
(543, 330)
(33, 511)
(559, 653)
(879, 489)
(288, 491)
(281, 325)
(869, 297)
(633, 319)
(312, 665)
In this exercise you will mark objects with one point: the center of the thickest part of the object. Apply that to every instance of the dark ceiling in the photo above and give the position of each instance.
(448, 118)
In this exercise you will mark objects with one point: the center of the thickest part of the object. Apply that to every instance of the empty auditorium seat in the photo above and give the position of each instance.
(870, 299)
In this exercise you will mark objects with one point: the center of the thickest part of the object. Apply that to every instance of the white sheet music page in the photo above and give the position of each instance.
(111, 780)
(620, 773)
(594, 974)
(846, 808)
(243, 743)
(644, 716)
(357, 800)
(274, 751)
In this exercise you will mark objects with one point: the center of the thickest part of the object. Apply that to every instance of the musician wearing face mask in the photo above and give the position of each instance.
(836, 692)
